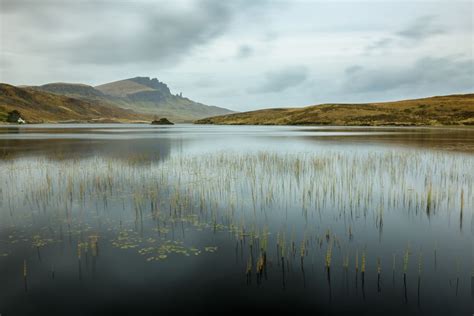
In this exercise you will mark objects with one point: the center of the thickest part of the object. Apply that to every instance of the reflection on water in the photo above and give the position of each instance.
(43, 136)
(140, 219)
(59, 148)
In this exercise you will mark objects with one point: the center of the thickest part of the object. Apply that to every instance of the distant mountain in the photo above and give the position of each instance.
(71, 89)
(132, 86)
(41, 106)
(440, 110)
(145, 95)
(141, 94)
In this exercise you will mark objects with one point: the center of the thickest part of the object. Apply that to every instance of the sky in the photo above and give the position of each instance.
(246, 54)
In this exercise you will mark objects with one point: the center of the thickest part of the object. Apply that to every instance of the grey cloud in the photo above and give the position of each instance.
(95, 41)
(11, 6)
(244, 51)
(281, 80)
(379, 44)
(205, 82)
(162, 36)
(419, 30)
(353, 69)
(106, 32)
(270, 36)
(433, 73)
(422, 28)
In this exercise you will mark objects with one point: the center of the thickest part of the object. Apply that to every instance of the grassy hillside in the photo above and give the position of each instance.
(141, 94)
(440, 110)
(71, 89)
(122, 88)
(39, 106)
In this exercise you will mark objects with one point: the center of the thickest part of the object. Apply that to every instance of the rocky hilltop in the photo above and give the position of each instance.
(145, 96)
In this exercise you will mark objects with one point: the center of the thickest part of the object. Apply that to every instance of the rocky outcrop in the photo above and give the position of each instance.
(162, 121)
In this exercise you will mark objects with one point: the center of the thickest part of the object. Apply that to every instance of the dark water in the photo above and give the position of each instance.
(135, 219)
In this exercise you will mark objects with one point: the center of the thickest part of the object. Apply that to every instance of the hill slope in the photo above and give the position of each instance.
(145, 95)
(76, 90)
(40, 106)
(140, 94)
(440, 110)
(123, 88)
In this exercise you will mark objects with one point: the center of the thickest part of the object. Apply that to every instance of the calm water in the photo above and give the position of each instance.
(214, 219)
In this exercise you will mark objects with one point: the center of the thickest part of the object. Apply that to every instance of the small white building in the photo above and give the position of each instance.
(21, 121)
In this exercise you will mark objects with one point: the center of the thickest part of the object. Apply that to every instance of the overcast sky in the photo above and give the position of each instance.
(245, 54)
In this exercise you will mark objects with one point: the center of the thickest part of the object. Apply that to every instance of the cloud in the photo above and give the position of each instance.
(446, 73)
(107, 33)
(353, 69)
(244, 51)
(422, 28)
(204, 47)
(281, 80)
(379, 44)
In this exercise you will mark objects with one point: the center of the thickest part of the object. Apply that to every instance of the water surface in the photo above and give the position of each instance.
(148, 219)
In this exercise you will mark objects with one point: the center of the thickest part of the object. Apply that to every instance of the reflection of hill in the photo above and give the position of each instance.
(133, 150)
(455, 139)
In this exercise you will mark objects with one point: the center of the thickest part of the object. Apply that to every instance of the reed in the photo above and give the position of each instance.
(405, 261)
(429, 200)
(25, 274)
(302, 251)
(248, 270)
(253, 197)
(260, 267)
(363, 263)
(379, 269)
(420, 262)
(345, 262)
(357, 261)
(328, 256)
(461, 208)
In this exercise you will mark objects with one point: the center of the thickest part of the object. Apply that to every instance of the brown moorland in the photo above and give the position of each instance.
(43, 107)
(432, 111)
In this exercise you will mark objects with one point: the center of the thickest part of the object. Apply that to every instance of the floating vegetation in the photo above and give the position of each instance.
(126, 239)
(25, 270)
(167, 248)
(210, 249)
